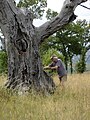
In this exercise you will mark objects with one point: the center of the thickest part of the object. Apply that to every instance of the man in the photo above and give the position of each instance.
(58, 65)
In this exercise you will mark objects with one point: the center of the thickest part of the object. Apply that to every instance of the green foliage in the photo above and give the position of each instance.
(3, 62)
(36, 6)
(50, 14)
(80, 67)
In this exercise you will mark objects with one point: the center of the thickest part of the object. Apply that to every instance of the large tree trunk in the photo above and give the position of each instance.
(24, 65)
(25, 69)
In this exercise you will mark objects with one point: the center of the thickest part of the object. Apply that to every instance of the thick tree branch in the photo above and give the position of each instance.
(64, 17)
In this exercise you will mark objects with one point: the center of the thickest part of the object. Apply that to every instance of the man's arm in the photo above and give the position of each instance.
(47, 67)
(51, 68)
(54, 68)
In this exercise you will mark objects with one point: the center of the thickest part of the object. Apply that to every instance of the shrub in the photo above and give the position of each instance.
(80, 66)
(3, 62)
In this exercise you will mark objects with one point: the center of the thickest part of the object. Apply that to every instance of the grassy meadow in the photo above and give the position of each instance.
(71, 104)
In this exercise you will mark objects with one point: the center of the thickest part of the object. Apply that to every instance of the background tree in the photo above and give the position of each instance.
(25, 69)
(70, 43)
(84, 40)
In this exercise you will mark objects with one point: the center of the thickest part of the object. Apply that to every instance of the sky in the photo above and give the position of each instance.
(56, 5)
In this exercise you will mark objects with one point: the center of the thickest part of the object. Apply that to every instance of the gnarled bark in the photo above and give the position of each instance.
(22, 39)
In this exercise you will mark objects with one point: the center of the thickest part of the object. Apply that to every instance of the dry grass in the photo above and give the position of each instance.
(71, 104)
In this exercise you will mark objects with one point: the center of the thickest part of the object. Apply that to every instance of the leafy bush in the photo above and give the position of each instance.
(3, 62)
(80, 66)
